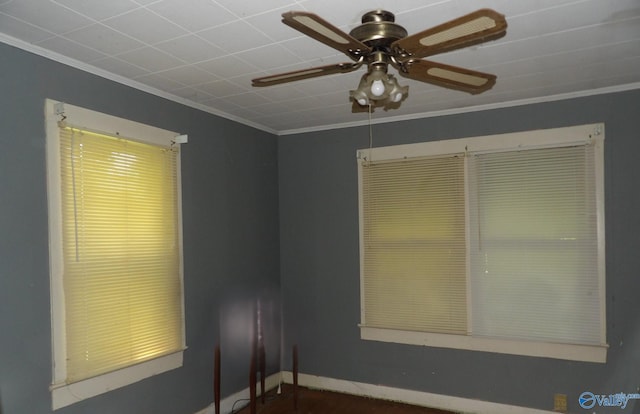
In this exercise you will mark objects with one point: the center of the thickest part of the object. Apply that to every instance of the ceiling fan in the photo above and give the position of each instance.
(379, 42)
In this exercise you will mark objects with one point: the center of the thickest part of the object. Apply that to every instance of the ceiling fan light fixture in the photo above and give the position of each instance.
(361, 95)
(397, 97)
(397, 93)
(379, 87)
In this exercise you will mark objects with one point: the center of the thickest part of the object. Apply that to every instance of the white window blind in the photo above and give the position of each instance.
(489, 243)
(122, 285)
(414, 244)
(534, 269)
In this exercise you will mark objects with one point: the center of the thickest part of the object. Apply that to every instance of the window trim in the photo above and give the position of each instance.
(62, 393)
(547, 138)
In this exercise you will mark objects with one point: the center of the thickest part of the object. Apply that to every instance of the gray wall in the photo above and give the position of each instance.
(320, 262)
(233, 224)
(231, 254)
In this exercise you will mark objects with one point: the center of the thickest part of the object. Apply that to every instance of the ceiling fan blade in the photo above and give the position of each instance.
(305, 74)
(480, 26)
(447, 76)
(323, 31)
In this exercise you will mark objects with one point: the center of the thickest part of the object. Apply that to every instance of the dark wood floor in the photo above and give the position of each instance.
(327, 402)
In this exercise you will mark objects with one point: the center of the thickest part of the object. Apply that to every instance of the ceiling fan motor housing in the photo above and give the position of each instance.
(378, 29)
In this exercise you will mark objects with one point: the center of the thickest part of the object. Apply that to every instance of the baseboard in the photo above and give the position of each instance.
(425, 399)
(227, 404)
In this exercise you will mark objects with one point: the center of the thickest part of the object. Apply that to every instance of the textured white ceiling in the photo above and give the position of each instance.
(205, 52)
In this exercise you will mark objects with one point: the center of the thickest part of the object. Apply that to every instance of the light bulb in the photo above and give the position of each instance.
(362, 101)
(377, 87)
(397, 97)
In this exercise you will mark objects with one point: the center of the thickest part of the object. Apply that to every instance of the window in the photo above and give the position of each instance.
(115, 252)
(489, 243)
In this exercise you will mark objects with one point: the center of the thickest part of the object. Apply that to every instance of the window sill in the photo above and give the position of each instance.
(63, 395)
(586, 353)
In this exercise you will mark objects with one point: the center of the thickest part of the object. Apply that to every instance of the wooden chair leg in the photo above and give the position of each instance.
(254, 356)
(252, 383)
(216, 379)
(295, 377)
(262, 364)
